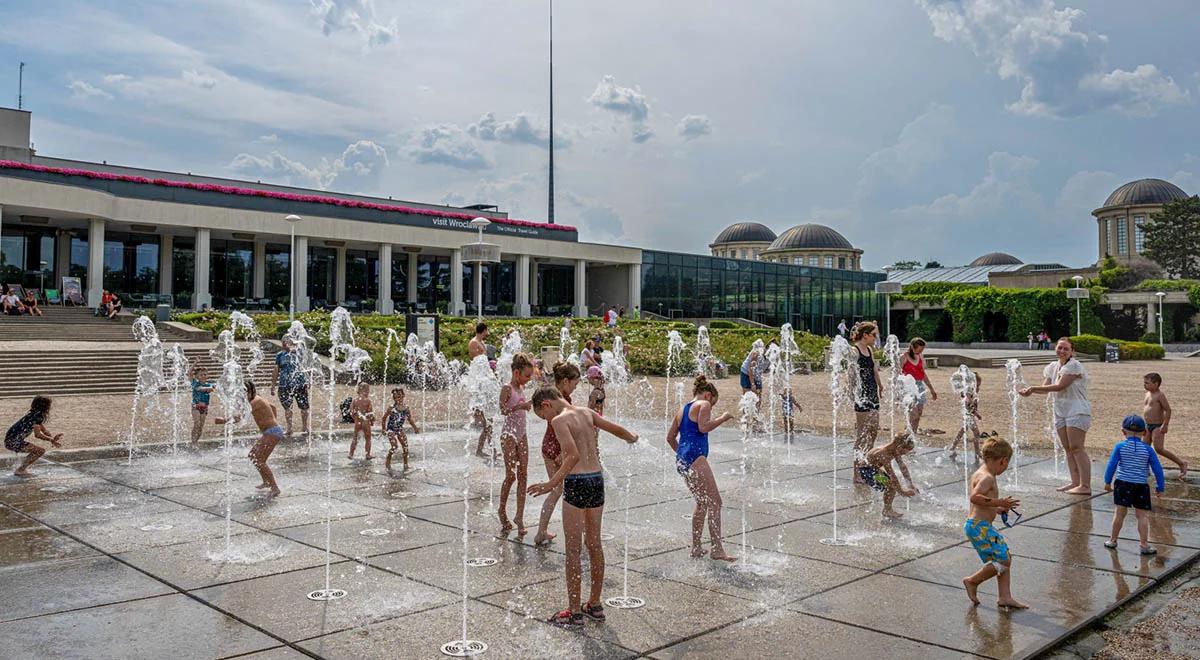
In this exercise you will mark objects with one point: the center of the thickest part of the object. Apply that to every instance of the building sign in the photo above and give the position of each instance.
(72, 291)
(488, 253)
(1112, 353)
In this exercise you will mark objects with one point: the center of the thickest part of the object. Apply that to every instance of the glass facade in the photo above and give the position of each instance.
(1139, 233)
(812, 299)
(231, 272)
(278, 276)
(362, 279)
(1122, 236)
(322, 270)
(22, 251)
(555, 289)
(130, 262)
(433, 283)
(499, 288)
(183, 269)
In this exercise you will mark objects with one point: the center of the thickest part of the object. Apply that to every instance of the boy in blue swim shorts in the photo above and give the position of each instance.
(263, 413)
(988, 543)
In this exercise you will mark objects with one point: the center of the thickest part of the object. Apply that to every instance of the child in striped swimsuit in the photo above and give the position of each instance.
(1130, 461)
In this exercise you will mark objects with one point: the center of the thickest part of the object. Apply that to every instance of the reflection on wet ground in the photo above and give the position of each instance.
(109, 559)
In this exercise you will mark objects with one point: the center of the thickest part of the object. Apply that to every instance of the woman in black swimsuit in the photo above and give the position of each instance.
(866, 384)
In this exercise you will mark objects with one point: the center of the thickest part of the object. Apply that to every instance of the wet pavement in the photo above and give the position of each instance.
(104, 558)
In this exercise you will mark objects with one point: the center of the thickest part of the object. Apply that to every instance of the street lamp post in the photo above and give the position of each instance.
(1078, 294)
(292, 220)
(887, 288)
(1160, 295)
(42, 275)
(477, 254)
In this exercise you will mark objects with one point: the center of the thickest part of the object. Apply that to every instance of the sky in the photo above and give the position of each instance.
(919, 129)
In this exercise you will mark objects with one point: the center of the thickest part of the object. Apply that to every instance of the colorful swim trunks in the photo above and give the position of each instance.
(874, 477)
(988, 543)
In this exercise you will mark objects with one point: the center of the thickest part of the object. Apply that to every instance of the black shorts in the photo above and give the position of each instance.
(874, 477)
(16, 444)
(1132, 495)
(584, 491)
(866, 406)
(297, 392)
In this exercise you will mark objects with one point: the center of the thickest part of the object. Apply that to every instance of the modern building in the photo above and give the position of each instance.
(203, 242)
(1119, 220)
(807, 244)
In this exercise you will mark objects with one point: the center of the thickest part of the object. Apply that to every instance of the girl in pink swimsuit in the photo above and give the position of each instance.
(566, 378)
(513, 440)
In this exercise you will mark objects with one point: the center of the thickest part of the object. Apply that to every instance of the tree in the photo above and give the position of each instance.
(934, 264)
(1172, 237)
(906, 265)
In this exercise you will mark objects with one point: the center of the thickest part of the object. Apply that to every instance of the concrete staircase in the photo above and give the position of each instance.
(79, 324)
(24, 373)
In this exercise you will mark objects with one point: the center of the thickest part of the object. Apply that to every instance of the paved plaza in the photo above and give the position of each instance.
(107, 558)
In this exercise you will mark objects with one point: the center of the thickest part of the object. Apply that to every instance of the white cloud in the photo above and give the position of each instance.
(894, 169)
(1189, 181)
(524, 128)
(362, 159)
(269, 138)
(694, 126)
(628, 102)
(357, 16)
(1004, 189)
(596, 220)
(116, 78)
(1061, 68)
(445, 144)
(1080, 194)
(84, 90)
(201, 80)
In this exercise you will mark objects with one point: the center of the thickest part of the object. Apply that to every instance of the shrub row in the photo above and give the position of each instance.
(1130, 350)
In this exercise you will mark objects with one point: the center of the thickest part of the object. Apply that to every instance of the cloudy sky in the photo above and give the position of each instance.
(927, 129)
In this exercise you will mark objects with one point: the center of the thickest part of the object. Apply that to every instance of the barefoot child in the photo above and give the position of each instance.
(33, 422)
(566, 379)
(595, 378)
(877, 473)
(972, 423)
(393, 427)
(477, 347)
(988, 543)
(514, 441)
(1157, 413)
(363, 414)
(201, 395)
(688, 437)
(583, 496)
(1130, 461)
(789, 407)
(263, 412)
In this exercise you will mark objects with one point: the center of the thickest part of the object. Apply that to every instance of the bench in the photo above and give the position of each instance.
(931, 362)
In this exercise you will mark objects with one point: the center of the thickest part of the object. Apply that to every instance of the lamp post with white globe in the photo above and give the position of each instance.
(1078, 294)
(477, 254)
(1160, 295)
(292, 220)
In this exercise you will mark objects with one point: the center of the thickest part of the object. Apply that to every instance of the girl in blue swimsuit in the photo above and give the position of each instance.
(393, 425)
(688, 437)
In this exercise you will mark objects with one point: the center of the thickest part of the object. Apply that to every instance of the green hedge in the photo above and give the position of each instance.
(1191, 286)
(1026, 310)
(1130, 350)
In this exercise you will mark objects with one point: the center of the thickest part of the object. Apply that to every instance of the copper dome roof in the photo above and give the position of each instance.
(1145, 191)
(996, 259)
(745, 232)
(811, 236)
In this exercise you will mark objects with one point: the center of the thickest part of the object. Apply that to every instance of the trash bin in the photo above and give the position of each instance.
(162, 313)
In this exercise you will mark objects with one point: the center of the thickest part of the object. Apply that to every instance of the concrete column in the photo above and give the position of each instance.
(581, 309)
(95, 273)
(456, 275)
(533, 283)
(1, 220)
(166, 264)
(522, 302)
(339, 277)
(635, 287)
(916, 312)
(1151, 317)
(383, 301)
(301, 283)
(411, 283)
(259, 288)
(201, 298)
(62, 258)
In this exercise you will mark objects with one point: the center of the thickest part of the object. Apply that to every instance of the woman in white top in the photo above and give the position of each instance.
(1067, 380)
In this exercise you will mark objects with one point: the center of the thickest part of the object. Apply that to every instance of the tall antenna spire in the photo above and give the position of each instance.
(20, 86)
(550, 191)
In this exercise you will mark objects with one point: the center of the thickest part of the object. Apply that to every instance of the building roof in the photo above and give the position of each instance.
(996, 259)
(959, 275)
(1145, 191)
(810, 236)
(744, 232)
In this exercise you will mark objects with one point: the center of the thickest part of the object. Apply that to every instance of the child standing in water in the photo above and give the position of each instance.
(596, 399)
(788, 408)
(688, 438)
(363, 414)
(263, 412)
(33, 422)
(566, 379)
(513, 440)
(393, 426)
(985, 504)
(1157, 413)
(972, 421)
(1130, 461)
(583, 495)
(878, 474)
(201, 395)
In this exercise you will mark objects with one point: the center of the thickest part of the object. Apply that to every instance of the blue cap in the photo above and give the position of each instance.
(1134, 423)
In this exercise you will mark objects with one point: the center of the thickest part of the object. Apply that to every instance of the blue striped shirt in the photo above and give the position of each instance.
(1130, 460)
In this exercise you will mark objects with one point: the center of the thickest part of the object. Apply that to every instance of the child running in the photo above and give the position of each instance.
(514, 441)
(972, 421)
(583, 494)
(363, 414)
(393, 427)
(263, 412)
(566, 379)
(985, 504)
(201, 395)
(1131, 459)
(688, 437)
(1157, 413)
(878, 474)
(33, 422)
(595, 378)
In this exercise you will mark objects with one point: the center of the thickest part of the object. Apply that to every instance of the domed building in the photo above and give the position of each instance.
(996, 259)
(814, 245)
(1119, 220)
(742, 240)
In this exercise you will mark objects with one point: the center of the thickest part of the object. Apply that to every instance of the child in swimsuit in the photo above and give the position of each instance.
(985, 504)
(1157, 413)
(33, 422)
(201, 395)
(596, 399)
(789, 407)
(566, 379)
(972, 424)
(688, 438)
(513, 440)
(1131, 460)
(582, 481)
(264, 417)
(393, 427)
(363, 414)
(878, 474)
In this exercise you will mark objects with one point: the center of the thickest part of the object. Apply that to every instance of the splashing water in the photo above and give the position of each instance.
(230, 389)
(1014, 382)
(773, 376)
(788, 351)
(749, 419)
(891, 348)
(150, 379)
(509, 347)
(177, 364)
(962, 382)
(305, 358)
(839, 353)
(703, 353)
(566, 347)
